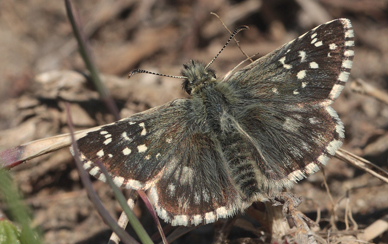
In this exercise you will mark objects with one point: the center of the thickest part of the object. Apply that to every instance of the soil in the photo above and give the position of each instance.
(41, 69)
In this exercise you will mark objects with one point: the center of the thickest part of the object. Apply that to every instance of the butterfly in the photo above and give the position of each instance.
(236, 140)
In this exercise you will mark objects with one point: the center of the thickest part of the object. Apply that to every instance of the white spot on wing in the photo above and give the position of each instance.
(144, 131)
(301, 74)
(349, 34)
(347, 64)
(154, 197)
(131, 203)
(107, 141)
(100, 153)
(102, 177)
(94, 171)
(124, 135)
(318, 44)
(221, 212)
(127, 151)
(87, 165)
(169, 140)
(282, 61)
(346, 23)
(339, 128)
(135, 184)
(295, 92)
(344, 75)
(311, 168)
(197, 198)
(332, 112)
(142, 148)
(336, 91)
(163, 214)
(185, 176)
(349, 43)
(118, 180)
(103, 132)
(171, 188)
(197, 219)
(314, 65)
(210, 217)
(205, 196)
(302, 55)
(275, 90)
(304, 84)
(323, 159)
(333, 147)
(180, 220)
(297, 175)
(349, 53)
(313, 120)
(332, 46)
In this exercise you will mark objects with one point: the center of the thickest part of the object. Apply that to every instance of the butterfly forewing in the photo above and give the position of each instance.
(135, 149)
(312, 68)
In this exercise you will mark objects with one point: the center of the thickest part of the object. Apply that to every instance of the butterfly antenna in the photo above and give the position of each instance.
(237, 42)
(142, 71)
(235, 32)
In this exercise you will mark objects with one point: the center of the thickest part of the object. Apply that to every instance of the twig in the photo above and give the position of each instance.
(334, 205)
(85, 53)
(374, 230)
(124, 236)
(363, 164)
(145, 199)
(135, 223)
(362, 87)
(234, 38)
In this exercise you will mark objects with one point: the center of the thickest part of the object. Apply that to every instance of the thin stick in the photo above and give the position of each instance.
(235, 32)
(363, 164)
(237, 42)
(103, 212)
(86, 56)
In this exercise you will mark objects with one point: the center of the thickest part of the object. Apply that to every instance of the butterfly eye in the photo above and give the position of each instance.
(211, 73)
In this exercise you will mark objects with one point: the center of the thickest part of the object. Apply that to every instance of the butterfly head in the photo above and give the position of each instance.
(197, 76)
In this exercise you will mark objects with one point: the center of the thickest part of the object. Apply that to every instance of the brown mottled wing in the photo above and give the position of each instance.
(286, 124)
(169, 152)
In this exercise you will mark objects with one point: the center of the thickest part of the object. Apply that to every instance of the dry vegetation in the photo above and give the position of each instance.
(39, 65)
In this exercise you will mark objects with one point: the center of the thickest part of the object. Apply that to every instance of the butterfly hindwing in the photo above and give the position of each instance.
(196, 187)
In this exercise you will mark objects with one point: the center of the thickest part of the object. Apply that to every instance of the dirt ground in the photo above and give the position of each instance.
(40, 69)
